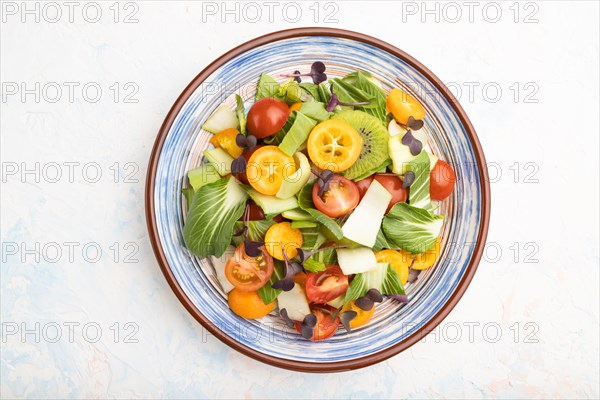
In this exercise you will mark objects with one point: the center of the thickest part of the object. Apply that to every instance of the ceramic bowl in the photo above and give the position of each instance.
(395, 326)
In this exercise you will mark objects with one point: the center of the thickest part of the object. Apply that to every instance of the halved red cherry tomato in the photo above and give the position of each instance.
(392, 183)
(325, 286)
(441, 180)
(326, 326)
(249, 273)
(341, 198)
(266, 117)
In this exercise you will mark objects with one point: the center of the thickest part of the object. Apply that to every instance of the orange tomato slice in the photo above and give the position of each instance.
(282, 234)
(225, 139)
(402, 106)
(267, 168)
(249, 273)
(248, 305)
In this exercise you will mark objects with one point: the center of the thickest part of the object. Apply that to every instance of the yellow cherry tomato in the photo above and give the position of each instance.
(427, 259)
(402, 106)
(267, 168)
(248, 305)
(399, 260)
(334, 145)
(225, 139)
(295, 107)
(283, 234)
(362, 316)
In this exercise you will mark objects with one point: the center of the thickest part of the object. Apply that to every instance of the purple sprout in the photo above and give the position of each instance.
(307, 327)
(412, 142)
(414, 124)
(402, 298)
(346, 317)
(317, 73)
(252, 248)
(323, 180)
(334, 102)
(303, 255)
(408, 179)
(413, 275)
(291, 269)
(238, 166)
(284, 315)
(367, 301)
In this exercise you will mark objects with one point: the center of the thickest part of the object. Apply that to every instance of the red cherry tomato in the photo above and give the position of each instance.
(266, 117)
(441, 180)
(341, 198)
(325, 286)
(249, 273)
(326, 326)
(255, 213)
(363, 185)
(391, 183)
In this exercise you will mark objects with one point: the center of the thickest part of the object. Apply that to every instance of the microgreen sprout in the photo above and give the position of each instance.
(303, 255)
(412, 142)
(297, 76)
(399, 297)
(323, 180)
(334, 101)
(414, 124)
(284, 315)
(374, 295)
(408, 179)
(252, 248)
(243, 231)
(238, 166)
(367, 301)
(317, 73)
(307, 327)
(413, 275)
(245, 142)
(346, 317)
(291, 269)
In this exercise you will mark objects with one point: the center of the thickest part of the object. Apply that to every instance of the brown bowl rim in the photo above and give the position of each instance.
(302, 366)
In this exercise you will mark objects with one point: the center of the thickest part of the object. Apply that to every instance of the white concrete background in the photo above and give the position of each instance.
(543, 297)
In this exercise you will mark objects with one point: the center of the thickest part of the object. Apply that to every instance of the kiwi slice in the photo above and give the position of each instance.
(375, 142)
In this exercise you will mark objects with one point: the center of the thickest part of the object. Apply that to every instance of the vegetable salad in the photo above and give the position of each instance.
(318, 202)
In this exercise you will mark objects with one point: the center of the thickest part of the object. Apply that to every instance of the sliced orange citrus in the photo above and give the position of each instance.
(334, 145)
